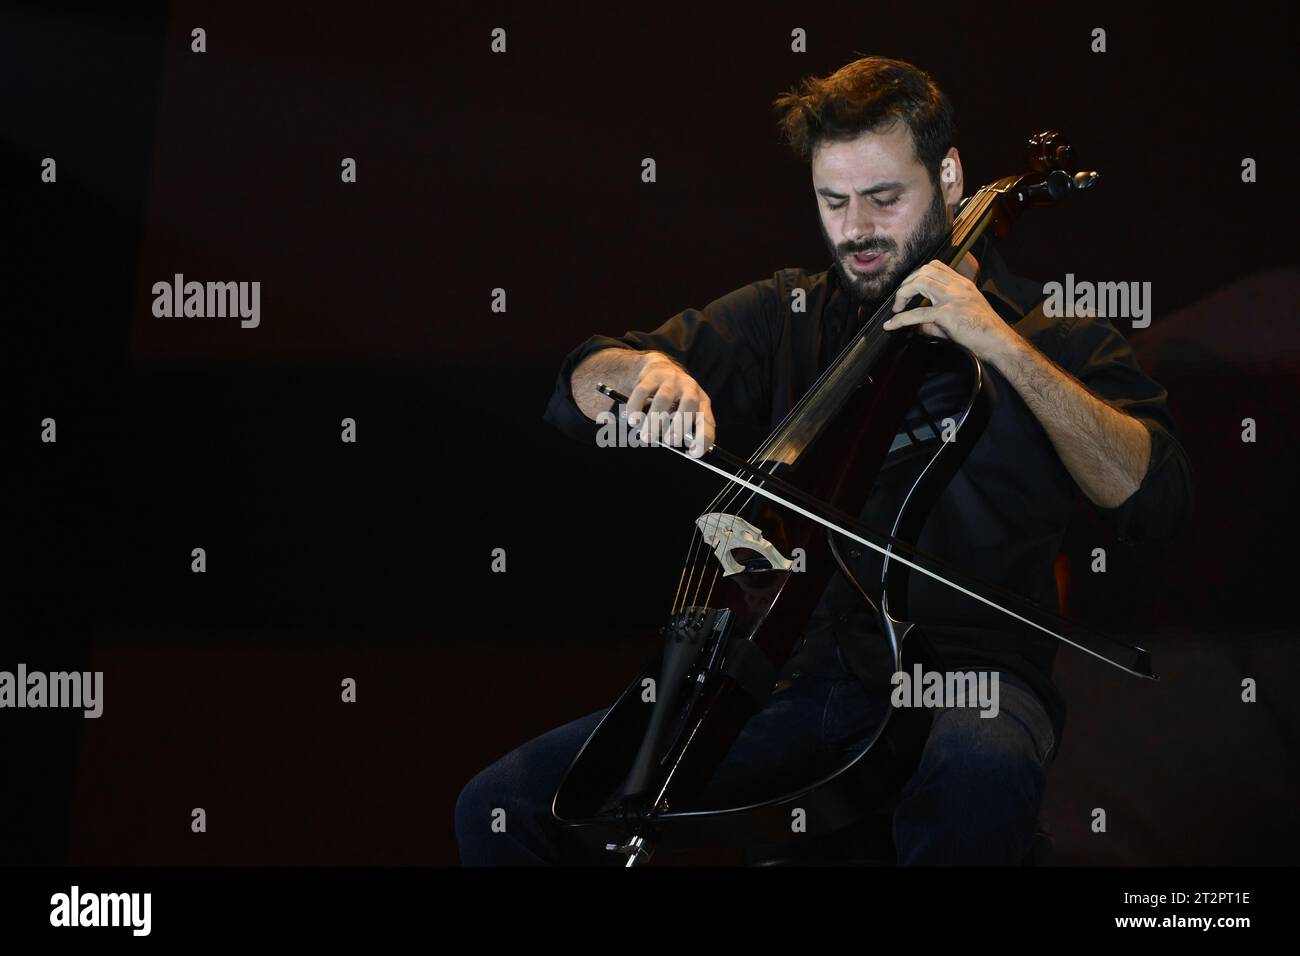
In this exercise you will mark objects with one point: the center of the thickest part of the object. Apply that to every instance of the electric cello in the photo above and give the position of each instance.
(741, 603)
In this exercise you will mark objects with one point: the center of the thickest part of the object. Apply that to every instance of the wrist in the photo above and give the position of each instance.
(650, 359)
(1011, 354)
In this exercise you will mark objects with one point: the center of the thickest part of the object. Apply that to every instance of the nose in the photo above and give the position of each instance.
(858, 224)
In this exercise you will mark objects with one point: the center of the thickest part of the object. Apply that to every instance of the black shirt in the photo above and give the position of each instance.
(1005, 512)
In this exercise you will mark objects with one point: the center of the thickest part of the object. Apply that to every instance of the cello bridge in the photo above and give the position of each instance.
(727, 534)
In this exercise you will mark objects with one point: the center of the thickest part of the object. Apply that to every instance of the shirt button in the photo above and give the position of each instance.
(855, 553)
(842, 617)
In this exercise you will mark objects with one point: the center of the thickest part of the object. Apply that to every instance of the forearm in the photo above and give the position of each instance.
(1106, 451)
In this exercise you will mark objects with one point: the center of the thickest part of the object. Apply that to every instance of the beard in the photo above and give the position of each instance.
(871, 290)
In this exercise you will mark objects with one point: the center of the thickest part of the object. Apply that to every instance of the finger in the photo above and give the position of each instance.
(952, 278)
(939, 273)
(636, 402)
(706, 428)
(916, 316)
(936, 270)
(685, 421)
(657, 423)
(918, 283)
(697, 420)
(672, 434)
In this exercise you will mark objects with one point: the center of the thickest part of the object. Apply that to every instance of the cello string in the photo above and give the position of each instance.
(871, 338)
(980, 201)
(892, 555)
(680, 579)
(868, 337)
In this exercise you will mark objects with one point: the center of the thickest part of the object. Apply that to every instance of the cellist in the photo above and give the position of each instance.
(1074, 414)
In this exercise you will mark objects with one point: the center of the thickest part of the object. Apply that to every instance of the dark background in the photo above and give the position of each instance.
(522, 171)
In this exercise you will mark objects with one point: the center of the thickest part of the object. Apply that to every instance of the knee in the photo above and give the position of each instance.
(992, 761)
(975, 796)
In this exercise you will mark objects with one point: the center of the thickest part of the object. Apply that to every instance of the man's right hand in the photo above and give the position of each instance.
(675, 401)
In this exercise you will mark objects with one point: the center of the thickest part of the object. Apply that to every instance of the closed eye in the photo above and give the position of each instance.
(881, 203)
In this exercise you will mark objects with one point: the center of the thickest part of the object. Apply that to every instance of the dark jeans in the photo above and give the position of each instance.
(974, 798)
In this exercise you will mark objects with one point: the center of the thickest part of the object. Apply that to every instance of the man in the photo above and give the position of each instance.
(1074, 413)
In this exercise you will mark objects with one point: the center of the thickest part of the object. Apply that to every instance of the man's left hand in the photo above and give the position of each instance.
(957, 311)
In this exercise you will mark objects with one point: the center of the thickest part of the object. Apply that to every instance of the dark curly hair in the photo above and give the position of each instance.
(868, 95)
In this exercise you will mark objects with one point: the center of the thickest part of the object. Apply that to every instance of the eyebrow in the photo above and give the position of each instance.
(878, 188)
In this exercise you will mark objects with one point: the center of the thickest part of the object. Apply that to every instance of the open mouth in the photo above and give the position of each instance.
(867, 262)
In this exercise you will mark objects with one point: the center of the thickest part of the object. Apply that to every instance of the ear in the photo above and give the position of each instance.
(951, 179)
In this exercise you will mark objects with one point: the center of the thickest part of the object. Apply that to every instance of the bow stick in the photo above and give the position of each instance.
(840, 522)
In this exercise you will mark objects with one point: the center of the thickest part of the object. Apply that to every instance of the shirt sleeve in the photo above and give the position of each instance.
(1099, 356)
(728, 347)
